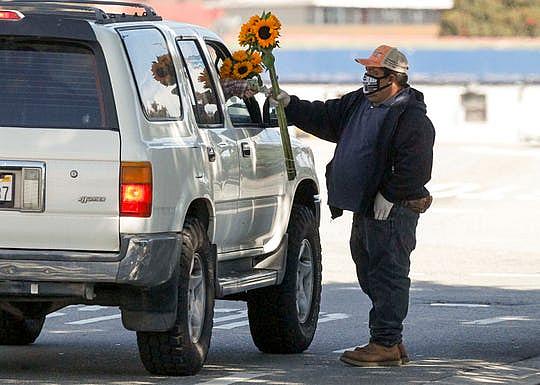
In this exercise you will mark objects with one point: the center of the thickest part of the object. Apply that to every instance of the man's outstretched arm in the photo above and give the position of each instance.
(325, 120)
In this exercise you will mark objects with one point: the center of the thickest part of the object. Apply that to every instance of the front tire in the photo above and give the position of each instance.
(283, 319)
(182, 350)
(15, 331)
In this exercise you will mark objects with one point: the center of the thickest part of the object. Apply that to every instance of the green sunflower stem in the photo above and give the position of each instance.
(283, 126)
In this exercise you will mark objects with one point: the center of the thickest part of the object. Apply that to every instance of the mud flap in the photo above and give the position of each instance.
(154, 309)
(151, 309)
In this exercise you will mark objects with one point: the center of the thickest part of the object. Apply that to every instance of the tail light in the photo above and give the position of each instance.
(11, 15)
(136, 189)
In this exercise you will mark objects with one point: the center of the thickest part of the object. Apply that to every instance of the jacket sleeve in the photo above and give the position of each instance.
(412, 158)
(325, 120)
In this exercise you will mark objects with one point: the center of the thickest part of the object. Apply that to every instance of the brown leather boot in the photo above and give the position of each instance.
(373, 355)
(404, 356)
(402, 351)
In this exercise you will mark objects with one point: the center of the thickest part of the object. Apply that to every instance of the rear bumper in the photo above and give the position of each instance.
(143, 261)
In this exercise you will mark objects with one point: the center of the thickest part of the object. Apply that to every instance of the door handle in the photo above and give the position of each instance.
(211, 154)
(246, 149)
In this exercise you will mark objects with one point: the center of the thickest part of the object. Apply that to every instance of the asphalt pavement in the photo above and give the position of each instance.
(475, 301)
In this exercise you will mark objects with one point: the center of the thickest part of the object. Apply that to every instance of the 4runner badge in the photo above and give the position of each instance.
(85, 200)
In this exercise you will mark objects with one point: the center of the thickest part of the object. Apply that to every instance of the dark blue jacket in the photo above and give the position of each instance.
(402, 154)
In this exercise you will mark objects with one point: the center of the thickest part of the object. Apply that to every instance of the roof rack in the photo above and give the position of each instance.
(86, 9)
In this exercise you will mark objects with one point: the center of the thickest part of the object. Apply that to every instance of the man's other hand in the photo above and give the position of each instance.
(382, 207)
(283, 97)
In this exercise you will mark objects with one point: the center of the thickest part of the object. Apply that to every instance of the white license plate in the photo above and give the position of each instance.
(6, 188)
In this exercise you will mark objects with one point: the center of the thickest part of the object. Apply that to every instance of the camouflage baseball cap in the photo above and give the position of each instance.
(387, 57)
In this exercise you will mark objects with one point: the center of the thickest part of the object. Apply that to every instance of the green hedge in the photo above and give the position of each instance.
(492, 18)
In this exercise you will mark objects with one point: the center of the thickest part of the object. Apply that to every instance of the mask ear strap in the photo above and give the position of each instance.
(380, 89)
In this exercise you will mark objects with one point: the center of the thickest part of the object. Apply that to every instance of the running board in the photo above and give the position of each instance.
(241, 283)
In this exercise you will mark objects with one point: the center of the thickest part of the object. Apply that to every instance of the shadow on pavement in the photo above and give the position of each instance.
(443, 334)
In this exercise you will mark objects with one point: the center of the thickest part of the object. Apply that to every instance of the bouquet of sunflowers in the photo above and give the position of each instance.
(242, 65)
(260, 35)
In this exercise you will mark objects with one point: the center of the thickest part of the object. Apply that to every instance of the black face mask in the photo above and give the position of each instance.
(372, 84)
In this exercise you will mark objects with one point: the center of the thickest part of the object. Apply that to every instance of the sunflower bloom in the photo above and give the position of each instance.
(253, 20)
(265, 33)
(204, 78)
(242, 70)
(226, 69)
(276, 24)
(246, 36)
(240, 55)
(163, 70)
(225, 74)
(256, 58)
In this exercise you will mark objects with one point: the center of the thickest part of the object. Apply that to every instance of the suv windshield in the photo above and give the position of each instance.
(50, 85)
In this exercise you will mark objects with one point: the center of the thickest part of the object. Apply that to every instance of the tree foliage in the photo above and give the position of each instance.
(492, 18)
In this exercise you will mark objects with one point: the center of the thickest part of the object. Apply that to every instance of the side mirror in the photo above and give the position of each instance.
(270, 118)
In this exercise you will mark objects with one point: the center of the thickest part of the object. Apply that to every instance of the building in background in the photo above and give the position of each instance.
(344, 23)
(339, 12)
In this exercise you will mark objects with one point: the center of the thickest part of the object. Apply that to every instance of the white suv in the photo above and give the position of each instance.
(129, 178)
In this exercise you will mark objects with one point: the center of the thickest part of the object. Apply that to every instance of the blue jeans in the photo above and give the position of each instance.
(381, 251)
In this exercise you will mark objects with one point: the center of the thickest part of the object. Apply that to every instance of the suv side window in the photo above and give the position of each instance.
(154, 72)
(241, 114)
(204, 100)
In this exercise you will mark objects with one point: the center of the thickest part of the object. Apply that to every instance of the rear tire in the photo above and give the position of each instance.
(283, 318)
(182, 350)
(19, 332)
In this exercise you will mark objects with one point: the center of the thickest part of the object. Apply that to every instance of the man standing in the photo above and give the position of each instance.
(382, 162)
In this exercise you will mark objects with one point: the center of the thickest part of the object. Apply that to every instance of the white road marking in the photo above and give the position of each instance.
(435, 188)
(529, 197)
(501, 151)
(232, 325)
(333, 317)
(341, 351)
(75, 331)
(472, 305)
(494, 194)
(55, 314)
(240, 377)
(240, 315)
(472, 191)
(93, 308)
(507, 275)
(455, 191)
(452, 211)
(495, 320)
(94, 320)
(324, 317)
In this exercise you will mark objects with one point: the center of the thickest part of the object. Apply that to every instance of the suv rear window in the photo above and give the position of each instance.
(50, 85)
